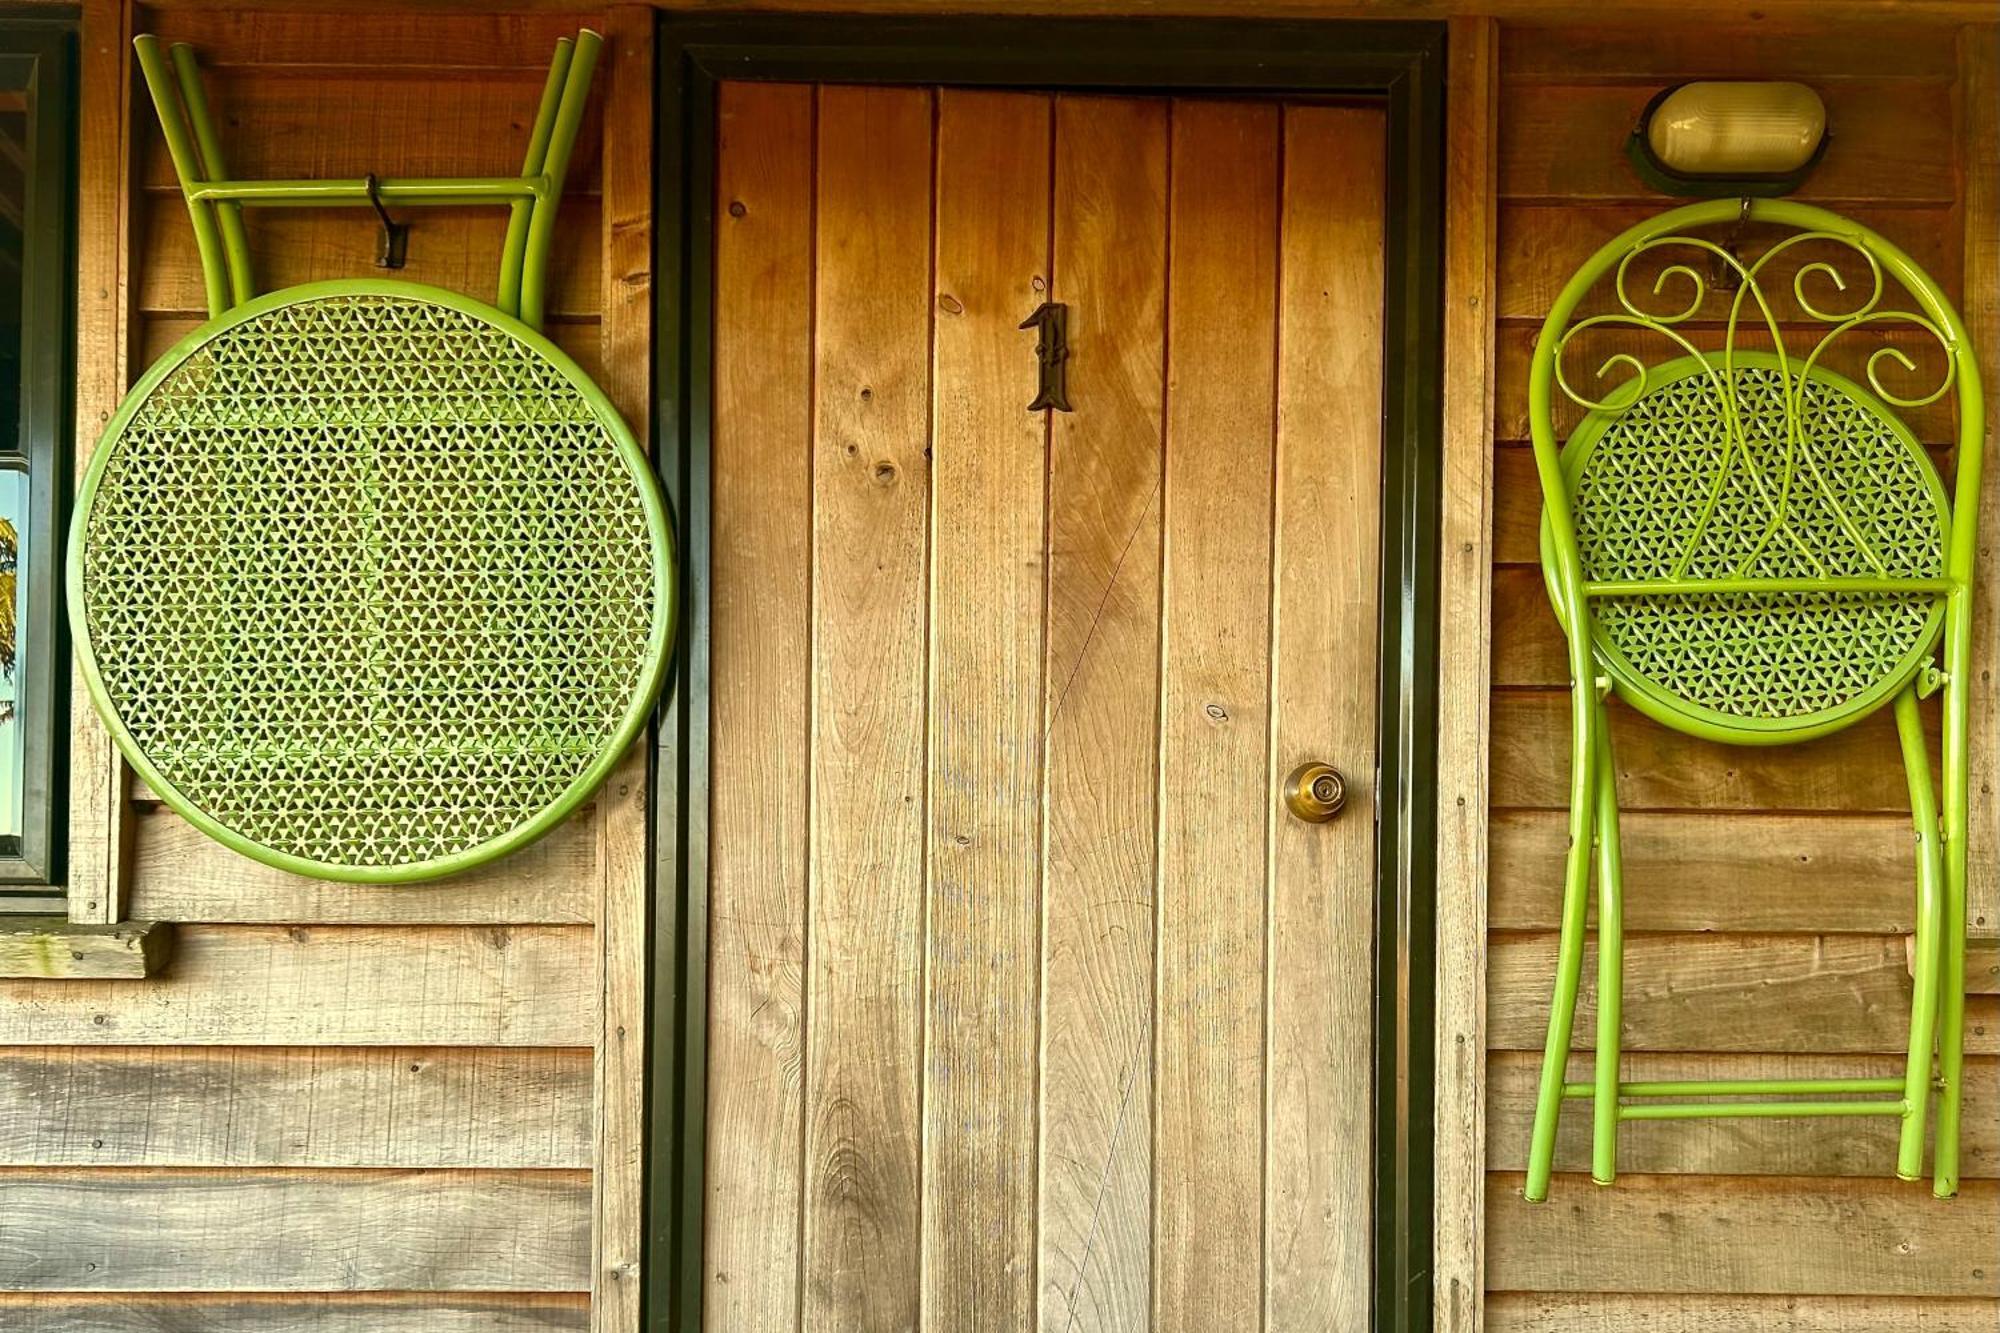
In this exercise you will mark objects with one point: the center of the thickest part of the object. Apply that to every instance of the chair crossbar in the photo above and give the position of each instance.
(1759, 1110)
(1763, 1110)
(417, 191)
(1746, 1087)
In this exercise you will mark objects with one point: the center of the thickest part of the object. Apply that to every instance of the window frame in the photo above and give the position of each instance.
(38, 56)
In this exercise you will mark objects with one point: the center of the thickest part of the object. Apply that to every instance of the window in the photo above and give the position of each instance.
(37, 115)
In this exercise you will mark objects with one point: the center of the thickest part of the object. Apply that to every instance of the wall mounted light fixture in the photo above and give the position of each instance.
(1713, 138)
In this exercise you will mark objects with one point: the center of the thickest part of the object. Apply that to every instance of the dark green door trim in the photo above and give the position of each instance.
(38, 58)
(1401, 63)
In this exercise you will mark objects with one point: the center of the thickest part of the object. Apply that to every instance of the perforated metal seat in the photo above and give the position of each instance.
(1750, 548)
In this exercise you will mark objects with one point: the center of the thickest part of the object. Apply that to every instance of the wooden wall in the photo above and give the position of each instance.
(343, 1107)
(1768, 892)
(377, 1111)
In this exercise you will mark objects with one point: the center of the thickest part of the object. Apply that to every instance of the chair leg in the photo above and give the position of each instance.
(1569, 950)
(1951, 978)
(1610, 963)
(1951, 1026)
(1930, 913)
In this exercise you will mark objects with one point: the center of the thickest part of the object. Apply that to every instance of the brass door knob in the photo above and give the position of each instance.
(1315, 792)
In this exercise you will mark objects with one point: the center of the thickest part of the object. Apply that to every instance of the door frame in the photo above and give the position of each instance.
(1402, 63)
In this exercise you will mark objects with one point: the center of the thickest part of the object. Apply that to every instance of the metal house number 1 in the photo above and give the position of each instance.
(1051, 319)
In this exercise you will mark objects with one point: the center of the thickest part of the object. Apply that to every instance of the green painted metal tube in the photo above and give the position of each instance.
(229, 216)
(521, 214)
(1744, 1087)
(187, 169)
(1756, 1110)
(1930, 923)
(353, 192)
(1569, 951)
(1962, 555)
(1951, 989)
(555, 167)
(215, 203)
(1951, 1016)
(1610, 962)
(1568, 582)
(1680, 587)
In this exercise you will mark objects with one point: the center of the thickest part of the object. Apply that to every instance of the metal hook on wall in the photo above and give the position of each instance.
(395, 251)
(1725, 275)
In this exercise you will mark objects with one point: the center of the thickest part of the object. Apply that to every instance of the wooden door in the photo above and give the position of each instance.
(1030, 1006)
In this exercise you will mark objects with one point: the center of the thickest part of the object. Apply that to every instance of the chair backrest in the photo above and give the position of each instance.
(1747, 543)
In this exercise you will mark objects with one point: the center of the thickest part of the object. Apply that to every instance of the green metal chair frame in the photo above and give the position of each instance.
(215, 202)
(368, 580)
(1719, 534)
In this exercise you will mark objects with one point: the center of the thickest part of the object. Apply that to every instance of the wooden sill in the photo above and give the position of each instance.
(52, 947)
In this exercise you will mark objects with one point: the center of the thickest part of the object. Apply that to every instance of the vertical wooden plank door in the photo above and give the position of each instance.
(1031, 1005)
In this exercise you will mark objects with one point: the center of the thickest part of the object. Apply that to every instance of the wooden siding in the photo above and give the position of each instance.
(1769, 891)
(441, 1138)
(512, 1312)
(342, 1108)
(1465, 543)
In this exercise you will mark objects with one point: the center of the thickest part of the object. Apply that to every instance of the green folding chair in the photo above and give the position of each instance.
(1750, 548)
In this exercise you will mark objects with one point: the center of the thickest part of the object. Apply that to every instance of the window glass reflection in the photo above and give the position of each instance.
(13, 475)
(14, 535)
(14, 158)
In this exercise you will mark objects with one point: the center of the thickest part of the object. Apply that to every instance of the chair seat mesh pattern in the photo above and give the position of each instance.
(367, 581)
(1640, 497)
